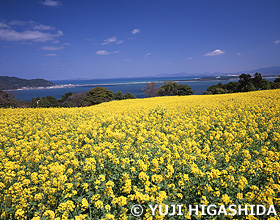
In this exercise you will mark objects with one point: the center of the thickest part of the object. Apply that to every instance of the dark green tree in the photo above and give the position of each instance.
(97, 95)
(66, 95)
(44, 102)
(7, 100)
(49, 101)
(129, 96)
(260, 83)
(246, 83)
(207, 93)
(184, 89)
(250, 87)
(257, 80)
(231, 87)
(62, 101)
(33, 102)
(73, 100)
(265, 85)
(244, 80)
(216, 89)
(118, 95)
(277, 80)
(276, 83)
(168, 88)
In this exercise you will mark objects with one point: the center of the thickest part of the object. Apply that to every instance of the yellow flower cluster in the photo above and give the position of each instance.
(96, 162)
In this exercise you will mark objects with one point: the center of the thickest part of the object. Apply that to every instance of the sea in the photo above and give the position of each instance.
(133, 85)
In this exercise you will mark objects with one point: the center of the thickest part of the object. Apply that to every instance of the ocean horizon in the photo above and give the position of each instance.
(133, 85)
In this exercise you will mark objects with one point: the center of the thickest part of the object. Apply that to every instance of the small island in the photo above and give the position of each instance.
(13, 83)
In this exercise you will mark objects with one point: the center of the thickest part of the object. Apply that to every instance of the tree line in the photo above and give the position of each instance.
(94, 96)
(169, 88)
(246, 83)
(98, 95)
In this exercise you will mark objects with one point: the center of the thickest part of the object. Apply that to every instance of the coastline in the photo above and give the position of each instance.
(69, 86)
(111, 84)
(203, 79)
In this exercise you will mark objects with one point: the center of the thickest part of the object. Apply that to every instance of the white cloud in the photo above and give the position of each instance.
(189, 58)
(135, 31)
(215, 53)
(43, 27)
(120, 41)
(127, 60)
(112, 40)
(147, 54)
(104, 52)
(109, 40)
(51, 55)
(12, 35)
(20, 23)
(277, 42)
(238, 54)
(40, 33)
(51, 3)
(3, 25)
(52, 48)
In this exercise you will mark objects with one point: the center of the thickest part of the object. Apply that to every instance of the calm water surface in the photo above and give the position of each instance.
(134, 86)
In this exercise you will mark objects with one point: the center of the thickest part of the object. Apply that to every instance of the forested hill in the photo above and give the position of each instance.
(9, 83)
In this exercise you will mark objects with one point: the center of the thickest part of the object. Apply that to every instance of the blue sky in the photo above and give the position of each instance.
(69, 39)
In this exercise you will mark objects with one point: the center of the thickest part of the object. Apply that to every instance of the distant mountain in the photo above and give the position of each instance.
(10, 83)
(266, 70)
(184, 74)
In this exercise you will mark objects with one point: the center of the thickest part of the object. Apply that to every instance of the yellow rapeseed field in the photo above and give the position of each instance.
(97, 162)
